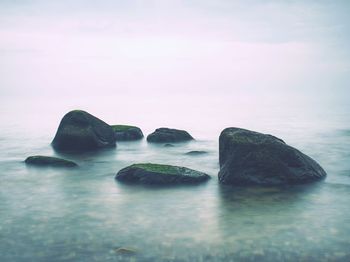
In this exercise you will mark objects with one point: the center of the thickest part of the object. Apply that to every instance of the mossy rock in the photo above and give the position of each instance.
(147, 173)
(127, 133)
(81, 131)
(251, 158)
(49, 161)
(169, 135)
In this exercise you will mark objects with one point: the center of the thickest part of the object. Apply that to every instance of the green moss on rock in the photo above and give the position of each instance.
(149, 173)
(127, 132)
(250, 158)
(164, 169)
(169, 135)
(119, 128)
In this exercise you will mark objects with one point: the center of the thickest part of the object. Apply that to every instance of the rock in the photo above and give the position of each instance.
(168, 135)
(168, 145)
(80, 131)
(196, 153)
(160, 174)
(125, 251)
(248, 158)
(127, 133)
(49, 161)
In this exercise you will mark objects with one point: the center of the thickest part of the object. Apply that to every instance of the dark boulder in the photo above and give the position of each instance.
(127, 133)
(160, 175)
(48, 161)
(248, 158)
(168, 135)
(81, 131)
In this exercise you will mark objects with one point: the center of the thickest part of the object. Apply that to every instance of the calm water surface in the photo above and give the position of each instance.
(84, 214)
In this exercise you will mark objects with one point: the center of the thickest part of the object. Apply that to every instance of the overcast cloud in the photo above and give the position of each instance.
(193, 47)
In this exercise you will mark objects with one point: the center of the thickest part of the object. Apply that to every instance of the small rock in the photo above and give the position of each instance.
(125, 251)
(127, 133)
(48, 161)
(168, 135)
(196, 153)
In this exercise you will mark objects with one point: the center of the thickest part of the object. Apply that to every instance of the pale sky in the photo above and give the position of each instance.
(197, 47)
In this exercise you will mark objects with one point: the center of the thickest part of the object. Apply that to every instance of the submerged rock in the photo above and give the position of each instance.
(160, 174)
(168, 145)
(168, 135)
(127, 133)
(125, 251)
(248, 157)
(196, 153)
(81, 131)
(48, 161)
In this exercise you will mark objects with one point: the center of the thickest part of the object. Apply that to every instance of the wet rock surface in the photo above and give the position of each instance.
(81, 131)
(48, 161)
(247, 158)
(160, 175)
(196, 153)
(127, 133)
(168, 135)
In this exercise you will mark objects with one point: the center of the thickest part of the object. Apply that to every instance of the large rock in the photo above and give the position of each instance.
(160, 175)
(80, 131)
(248, 158)
(49, 161)
(168, 135)
(127, 133)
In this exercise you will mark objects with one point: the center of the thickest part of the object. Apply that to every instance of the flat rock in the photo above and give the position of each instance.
(81, 131)
(168, 135)
(251, 158)
(127, 133)
(148, 173)
(196, 153)
(49, 161)
(125, 251)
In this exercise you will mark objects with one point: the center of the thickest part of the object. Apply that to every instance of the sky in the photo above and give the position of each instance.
(235, 49)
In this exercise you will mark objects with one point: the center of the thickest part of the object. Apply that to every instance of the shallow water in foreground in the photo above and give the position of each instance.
(83, 214)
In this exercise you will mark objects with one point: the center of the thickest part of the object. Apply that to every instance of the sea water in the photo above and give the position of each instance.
(83, 214)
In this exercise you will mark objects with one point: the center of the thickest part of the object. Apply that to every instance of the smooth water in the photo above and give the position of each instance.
(83, 214)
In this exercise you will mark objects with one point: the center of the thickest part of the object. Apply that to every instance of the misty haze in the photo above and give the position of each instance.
(174, 130)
